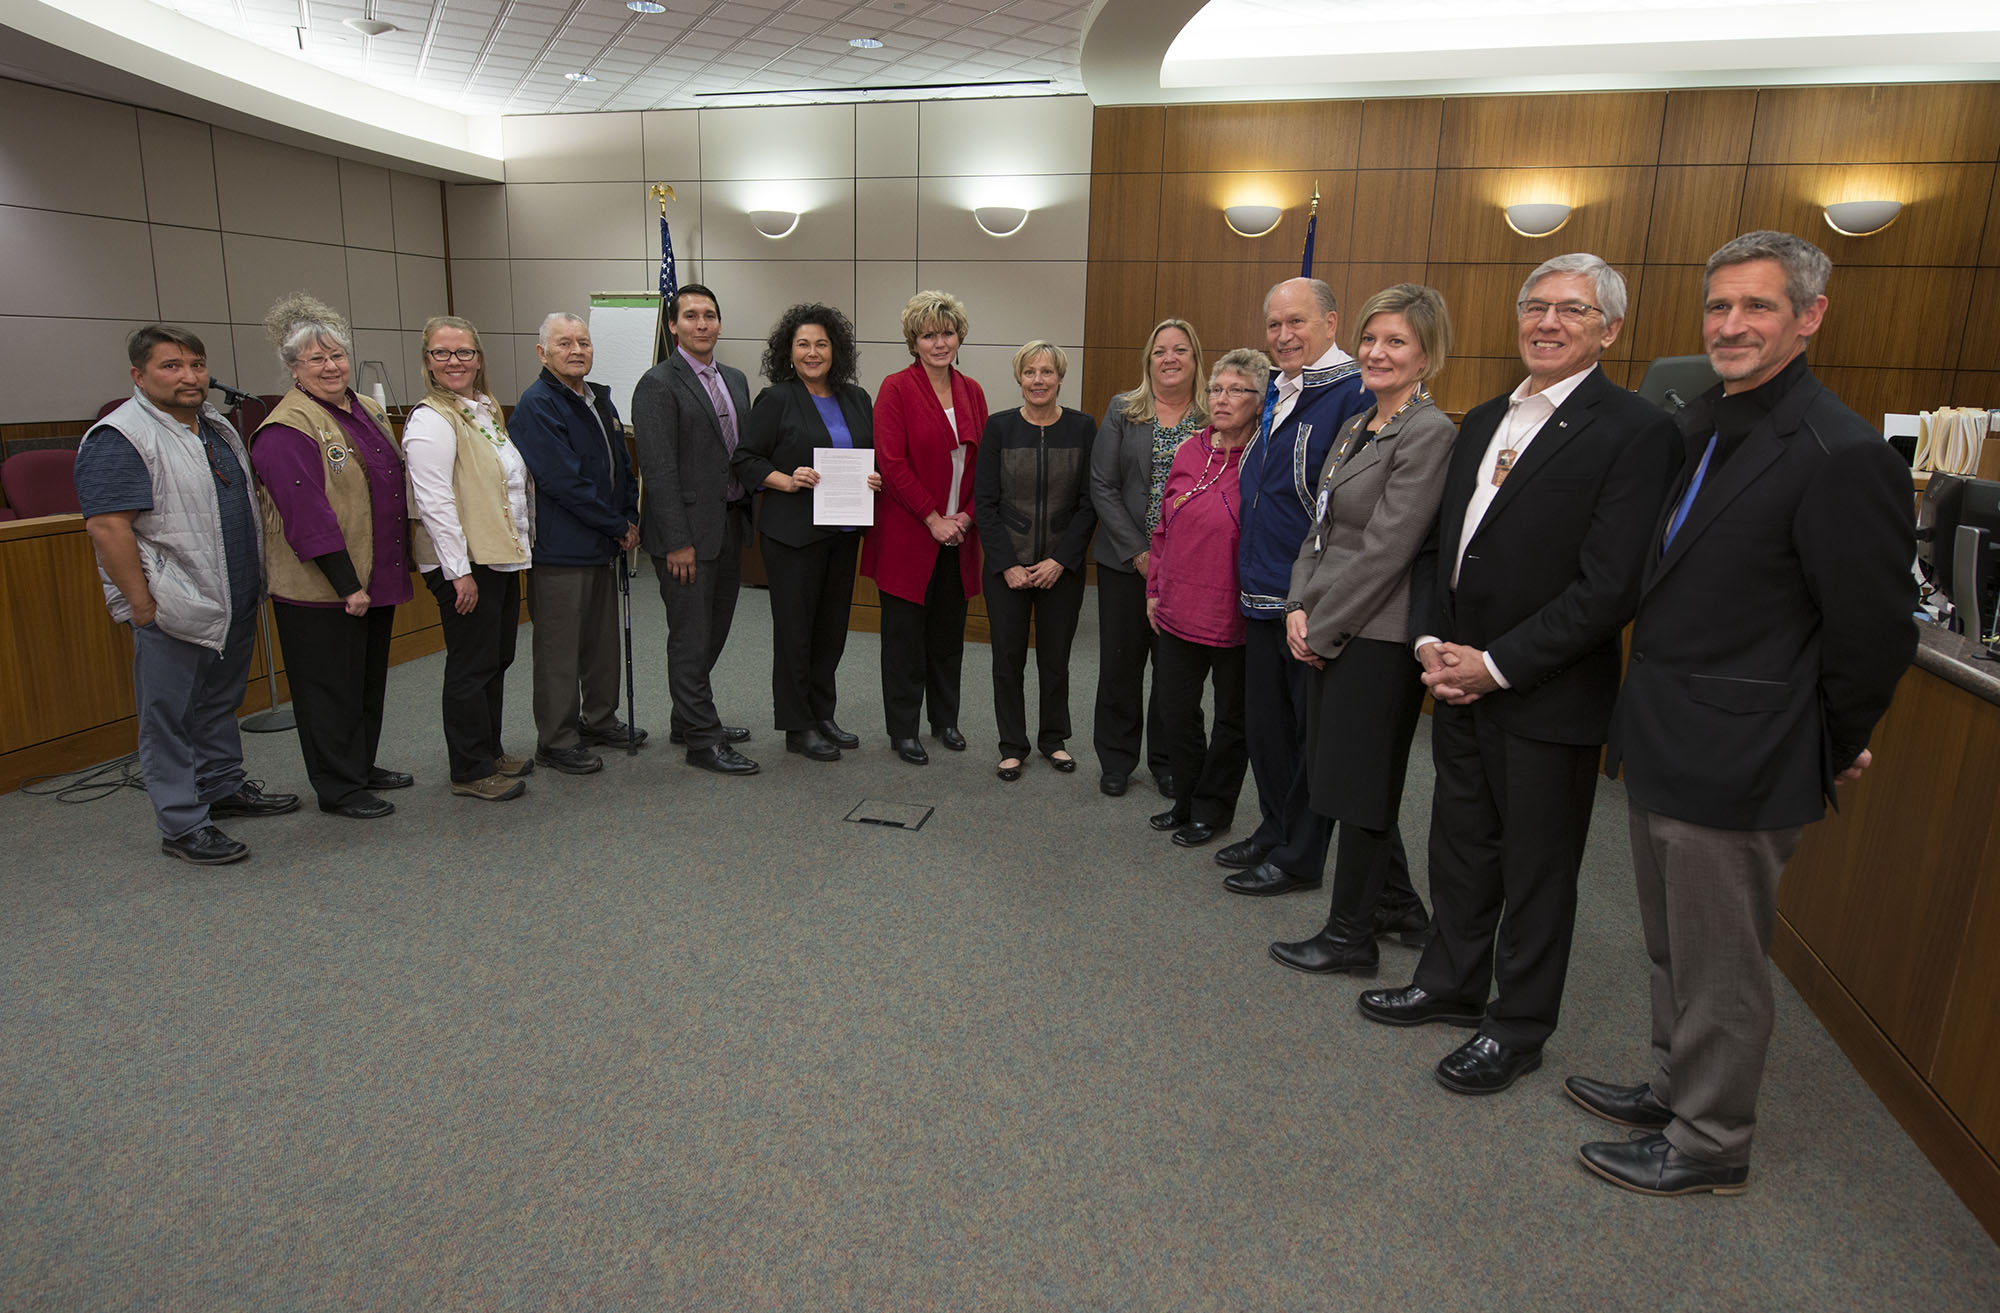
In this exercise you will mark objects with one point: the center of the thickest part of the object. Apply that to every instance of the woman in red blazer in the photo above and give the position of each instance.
(923, 552)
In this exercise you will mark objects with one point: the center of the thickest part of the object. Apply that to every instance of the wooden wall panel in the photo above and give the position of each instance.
(1224, 302)
(1127, 139)
(1708, 127)
(1668, 322)
(1566, 131)
(1124, 216)
(1981, 348)
(1944, 209)
(1609, 216)
(1192, 226)
(1118, 305)
(1894, 318)
(1392, 214)
(1469, 380)
(1976, 388)
(1276, 137)
(1358, 282)
(1873, 393)
(57, 635)
(1877, 124)
(1989, 250)
(1400, 134)
(1695, 210)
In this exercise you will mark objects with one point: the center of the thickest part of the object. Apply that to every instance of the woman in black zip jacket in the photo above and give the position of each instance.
(1031, 499)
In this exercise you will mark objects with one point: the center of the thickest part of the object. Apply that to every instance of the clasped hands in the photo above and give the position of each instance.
(949, 530)
(805, 477)
(1042, 574)
(1456, 675)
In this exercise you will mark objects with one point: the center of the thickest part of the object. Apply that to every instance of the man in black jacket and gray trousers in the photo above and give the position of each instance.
(586, 517)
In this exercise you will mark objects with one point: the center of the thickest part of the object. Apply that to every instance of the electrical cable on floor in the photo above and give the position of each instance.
(89, 785)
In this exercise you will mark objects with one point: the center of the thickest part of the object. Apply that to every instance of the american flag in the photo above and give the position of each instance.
(669, 281)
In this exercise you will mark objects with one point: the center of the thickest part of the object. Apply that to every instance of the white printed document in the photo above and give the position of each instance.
(841, 498)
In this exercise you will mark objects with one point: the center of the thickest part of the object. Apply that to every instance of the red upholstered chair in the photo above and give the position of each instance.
(7, 513)
(40, 482)
(110, 406)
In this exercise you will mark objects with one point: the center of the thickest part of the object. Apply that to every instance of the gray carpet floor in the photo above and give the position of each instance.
(653, 1039)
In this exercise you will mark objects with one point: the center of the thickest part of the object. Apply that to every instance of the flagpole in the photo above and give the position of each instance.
(1312, 230)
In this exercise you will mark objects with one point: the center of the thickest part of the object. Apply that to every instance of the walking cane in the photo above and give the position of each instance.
(623, 565)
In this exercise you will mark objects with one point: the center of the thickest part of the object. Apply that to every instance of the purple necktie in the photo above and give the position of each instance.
(710, 379)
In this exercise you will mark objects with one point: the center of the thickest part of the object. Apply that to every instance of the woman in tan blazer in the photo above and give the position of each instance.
(1349, 607)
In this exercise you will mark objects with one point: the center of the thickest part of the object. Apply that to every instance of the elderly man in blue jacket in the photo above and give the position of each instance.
(586, 516)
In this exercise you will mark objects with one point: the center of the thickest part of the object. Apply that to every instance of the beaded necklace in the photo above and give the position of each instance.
(498, 440)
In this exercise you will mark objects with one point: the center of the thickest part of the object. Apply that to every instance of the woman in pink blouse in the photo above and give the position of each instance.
(1191, 602)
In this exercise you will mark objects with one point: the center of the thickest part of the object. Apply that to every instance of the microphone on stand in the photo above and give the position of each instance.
(234, 396)
(1672, 398)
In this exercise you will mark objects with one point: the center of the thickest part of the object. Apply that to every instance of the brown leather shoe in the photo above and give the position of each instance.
(494, 788)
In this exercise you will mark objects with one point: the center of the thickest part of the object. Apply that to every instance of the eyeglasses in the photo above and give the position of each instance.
(1570, 312)
(1218, 391)
(464, 354)
(319, 362)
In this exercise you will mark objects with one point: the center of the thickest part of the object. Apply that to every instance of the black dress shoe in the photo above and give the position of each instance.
(1166, 786)
(1627, 1105)
(1064, 764)
(1411, 924)
(1009, 773)
(1167, 820)
(614, 734)
(360, 807)
(912, 751)
(837, 736)
(1483, 1065)
(1323, 955)
(249, 800)
(1242, 855)
(951, 738)
(578, 760)
(389, 779)
(1414, 1006)
(722, 759)
(811, 744)
(1650, 1165)
(206, 846)
(730, 734)
(1196, 833)
(1265, 880)
(1111, 784)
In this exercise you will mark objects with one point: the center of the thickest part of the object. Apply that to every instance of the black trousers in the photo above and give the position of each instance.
(923, 647)
(699, 615)
(338, 667)
(1509, 817)
(1125, 644)
(478, 648)
(1054, 611)
(812, 590)
(1274, 706)
(1207, 770)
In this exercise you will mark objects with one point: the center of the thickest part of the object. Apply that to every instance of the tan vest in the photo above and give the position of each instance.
(479, 489)
(346, 492)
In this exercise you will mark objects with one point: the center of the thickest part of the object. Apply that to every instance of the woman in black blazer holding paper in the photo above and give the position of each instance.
(812, 403)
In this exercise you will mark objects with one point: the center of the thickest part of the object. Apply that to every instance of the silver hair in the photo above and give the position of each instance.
(1608, 283)
(1321, 293)
(298, 319)
(1806, 266)
(559, 317)
(1252, 364)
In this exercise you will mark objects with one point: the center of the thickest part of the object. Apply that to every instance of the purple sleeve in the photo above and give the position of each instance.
(288, 466)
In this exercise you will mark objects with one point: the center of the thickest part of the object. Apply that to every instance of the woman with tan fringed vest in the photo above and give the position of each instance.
(474, 504)
(336, 551)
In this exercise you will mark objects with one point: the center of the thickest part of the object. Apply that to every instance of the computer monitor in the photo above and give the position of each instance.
(1952, 502)
(1673, 381)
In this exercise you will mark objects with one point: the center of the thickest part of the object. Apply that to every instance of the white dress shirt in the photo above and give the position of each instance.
(430, 448)
(1290, 388)
(1526, 413)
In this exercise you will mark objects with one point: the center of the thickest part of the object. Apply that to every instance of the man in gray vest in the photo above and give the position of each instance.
(164, 484)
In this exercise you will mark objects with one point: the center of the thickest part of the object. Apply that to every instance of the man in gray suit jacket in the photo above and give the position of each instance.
(686, 413)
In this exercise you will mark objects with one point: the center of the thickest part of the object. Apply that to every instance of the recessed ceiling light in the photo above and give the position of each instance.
(865, 42)
(368, 26)
(645, 7)
(581, 77)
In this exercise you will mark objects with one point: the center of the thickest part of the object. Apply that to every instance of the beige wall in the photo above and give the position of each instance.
(884, 192)
(111, 216)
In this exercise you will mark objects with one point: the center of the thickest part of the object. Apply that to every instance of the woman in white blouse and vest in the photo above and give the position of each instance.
(474, 505)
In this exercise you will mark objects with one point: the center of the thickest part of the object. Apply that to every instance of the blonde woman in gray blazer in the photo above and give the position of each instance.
(1348, 613)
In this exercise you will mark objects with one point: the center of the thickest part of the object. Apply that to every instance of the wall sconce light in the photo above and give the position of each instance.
(1538, 219)
(1860, 218)
(774, 223)
(1000, 220)
(1251, 220)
